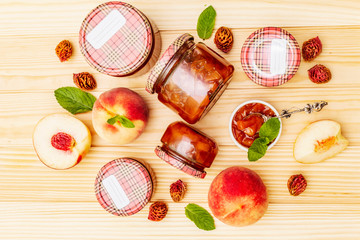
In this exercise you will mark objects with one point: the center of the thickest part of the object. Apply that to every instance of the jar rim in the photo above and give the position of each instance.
(179, 164)
(166, 58)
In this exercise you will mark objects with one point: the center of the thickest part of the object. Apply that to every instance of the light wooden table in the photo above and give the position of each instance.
(39, 203)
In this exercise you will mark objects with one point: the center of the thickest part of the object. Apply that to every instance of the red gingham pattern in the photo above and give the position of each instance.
(165, 58)
(258, 44)
(128, 50)
(179, 164)
(135, 180)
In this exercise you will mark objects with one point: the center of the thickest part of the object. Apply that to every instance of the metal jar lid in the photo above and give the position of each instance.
(270, 56)
(123, 186)
(116, 39)
(164, 60)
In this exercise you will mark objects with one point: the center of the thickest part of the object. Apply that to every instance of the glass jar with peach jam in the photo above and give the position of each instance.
(189, 78)
(187, 149)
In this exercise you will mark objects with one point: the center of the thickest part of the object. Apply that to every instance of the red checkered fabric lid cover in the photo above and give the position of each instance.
(270, 56)
(179, 164)
(123, 186)
(116, 39)
(165, 58)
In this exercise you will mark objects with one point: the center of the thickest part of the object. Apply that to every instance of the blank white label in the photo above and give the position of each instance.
(106, 29)
(116, 192)
(278, 56)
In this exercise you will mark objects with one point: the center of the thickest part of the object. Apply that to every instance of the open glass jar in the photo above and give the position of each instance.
(187, 149)
(189, 78)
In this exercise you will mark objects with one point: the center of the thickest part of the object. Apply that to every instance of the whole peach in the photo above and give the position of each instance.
(238, 197)
(121, 102)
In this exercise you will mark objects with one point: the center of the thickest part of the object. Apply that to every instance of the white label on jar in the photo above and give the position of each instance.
(116, 192)
(278, 56)
(106, 29)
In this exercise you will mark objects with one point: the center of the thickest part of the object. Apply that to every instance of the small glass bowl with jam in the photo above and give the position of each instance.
(246, 121)
(187, 149)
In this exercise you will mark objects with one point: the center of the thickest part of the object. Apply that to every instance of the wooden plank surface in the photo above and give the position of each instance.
(39, 203)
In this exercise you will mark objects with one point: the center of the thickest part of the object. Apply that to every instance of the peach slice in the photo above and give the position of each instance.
(319, 141)
(61, 141)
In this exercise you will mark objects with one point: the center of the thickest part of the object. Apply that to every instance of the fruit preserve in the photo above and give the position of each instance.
(245, 124)
(187, 149)
(189, 78)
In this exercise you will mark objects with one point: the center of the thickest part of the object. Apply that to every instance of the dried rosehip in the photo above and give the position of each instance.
(319, 74)
(311, 49)
(177, 190)
(62, 141)
(157, 211)
(224, 39)
(64, 50)
(84, 81)
(296, 184)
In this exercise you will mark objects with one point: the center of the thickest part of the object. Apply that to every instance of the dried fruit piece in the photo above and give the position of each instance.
(311, 49)
(224, 39)
(84, 81)
(177, 190)
(64, 50)
(157, 211)
(296, 184)
(62, 141)
(319, 74)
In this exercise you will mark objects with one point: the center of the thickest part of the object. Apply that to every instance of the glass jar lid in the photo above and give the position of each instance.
(116, 39)
(270, 56)
(181, 165)
(165, 58)
(123, 186)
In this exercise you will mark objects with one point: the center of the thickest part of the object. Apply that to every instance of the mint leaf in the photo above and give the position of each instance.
(74, 100)
(270, 129)
(206, 23)
(123, 121)
(126, 122)
(258, 149)
(202, 218)
(113, 120)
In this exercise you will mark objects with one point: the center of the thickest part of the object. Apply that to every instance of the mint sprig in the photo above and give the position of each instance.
(74, 100)
(123, 121)
(202, 218)
(206, 23)
(268, 132)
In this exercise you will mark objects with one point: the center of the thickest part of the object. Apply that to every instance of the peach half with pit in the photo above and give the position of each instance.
(238, 196)
(120, 115)
(61, 141)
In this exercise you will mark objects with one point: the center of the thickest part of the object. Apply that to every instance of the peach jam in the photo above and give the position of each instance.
(187, 149)
(246, 125)
(189, 78)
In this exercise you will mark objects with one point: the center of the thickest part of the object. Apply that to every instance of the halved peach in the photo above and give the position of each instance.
(61, 141)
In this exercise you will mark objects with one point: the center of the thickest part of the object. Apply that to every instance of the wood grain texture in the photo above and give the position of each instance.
(40, 203)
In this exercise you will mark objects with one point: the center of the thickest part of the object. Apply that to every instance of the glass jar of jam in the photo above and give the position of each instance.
(245, 125)
(187, 149)
(189, 78)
